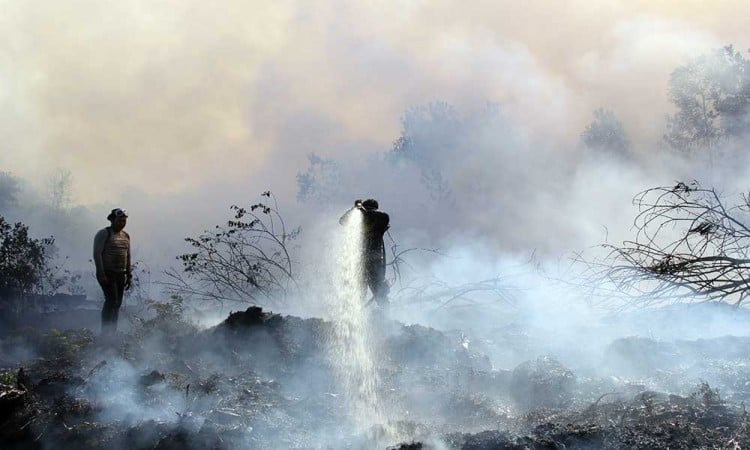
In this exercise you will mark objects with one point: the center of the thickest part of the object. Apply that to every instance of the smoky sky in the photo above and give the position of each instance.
(177, 109)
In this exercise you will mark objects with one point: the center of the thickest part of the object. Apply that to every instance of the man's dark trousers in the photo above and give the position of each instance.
(113, 291)
(375, 277)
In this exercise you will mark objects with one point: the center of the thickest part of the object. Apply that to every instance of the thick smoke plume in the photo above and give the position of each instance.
(505, 141)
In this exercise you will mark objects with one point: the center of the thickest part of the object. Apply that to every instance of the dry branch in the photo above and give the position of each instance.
(689, 245)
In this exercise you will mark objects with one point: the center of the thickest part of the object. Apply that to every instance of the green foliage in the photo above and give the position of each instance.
(429, 130)
(54, 344)
(24, 261)
(247, 259)
(429, 135)
(320, 182)
(168, 311)
(169, 320)
(66, 343)
(606, 134)
(8, 378)
(712, 97)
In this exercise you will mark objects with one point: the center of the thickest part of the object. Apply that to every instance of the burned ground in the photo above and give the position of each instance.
(263, 380)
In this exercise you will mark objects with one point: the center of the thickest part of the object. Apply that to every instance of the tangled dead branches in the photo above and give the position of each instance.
(689, 243)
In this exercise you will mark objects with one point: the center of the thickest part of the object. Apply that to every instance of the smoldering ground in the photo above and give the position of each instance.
(262, 386)
(267, 381)
(483, 193)
(265, 385)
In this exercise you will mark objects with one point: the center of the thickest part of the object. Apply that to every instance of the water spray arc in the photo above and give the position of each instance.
(352, 344)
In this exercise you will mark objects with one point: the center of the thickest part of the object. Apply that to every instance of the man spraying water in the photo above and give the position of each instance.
(374, 225)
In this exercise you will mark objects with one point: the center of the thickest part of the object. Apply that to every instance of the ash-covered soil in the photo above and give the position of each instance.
(262, 380)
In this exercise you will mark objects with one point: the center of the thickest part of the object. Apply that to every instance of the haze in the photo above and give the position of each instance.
(177, 109)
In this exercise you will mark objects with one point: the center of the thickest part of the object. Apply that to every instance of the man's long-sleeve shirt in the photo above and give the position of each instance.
(112, 251)
(374, 224)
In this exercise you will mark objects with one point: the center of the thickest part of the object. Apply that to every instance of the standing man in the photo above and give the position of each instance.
(112, 260)
(374, 224)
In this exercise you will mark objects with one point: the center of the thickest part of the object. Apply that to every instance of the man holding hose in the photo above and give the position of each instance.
(374, 225)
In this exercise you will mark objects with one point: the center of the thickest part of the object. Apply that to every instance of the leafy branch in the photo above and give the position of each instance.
(246, 260)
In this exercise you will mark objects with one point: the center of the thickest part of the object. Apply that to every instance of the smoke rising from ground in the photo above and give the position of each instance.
(176, 111)
(152, 109)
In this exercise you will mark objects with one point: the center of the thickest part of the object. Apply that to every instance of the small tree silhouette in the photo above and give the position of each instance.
(247, 260)
(24, 262)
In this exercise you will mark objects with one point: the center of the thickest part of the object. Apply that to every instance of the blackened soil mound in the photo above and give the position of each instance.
(540, 383)
(266, 381)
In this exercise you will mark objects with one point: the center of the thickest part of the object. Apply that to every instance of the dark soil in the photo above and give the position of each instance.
(262, 380)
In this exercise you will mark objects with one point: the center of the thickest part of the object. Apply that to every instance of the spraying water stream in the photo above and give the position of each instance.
(352, 346)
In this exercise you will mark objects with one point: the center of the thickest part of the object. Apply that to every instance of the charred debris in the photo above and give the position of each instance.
(262, 380)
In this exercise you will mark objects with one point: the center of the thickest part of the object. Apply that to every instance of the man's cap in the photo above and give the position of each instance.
(117, 212)
(370, 203)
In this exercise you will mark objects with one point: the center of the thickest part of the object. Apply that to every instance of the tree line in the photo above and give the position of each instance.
(689, 240)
